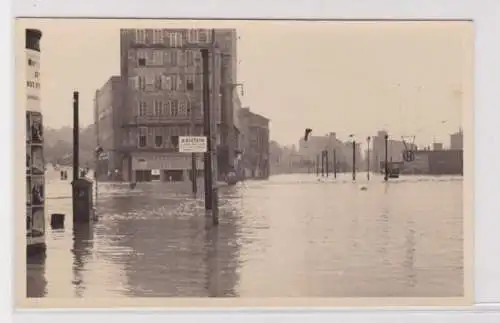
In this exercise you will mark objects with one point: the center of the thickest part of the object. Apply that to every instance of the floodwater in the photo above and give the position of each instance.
(290, 236)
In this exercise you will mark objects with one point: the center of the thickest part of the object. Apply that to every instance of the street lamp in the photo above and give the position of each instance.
(368, 139)
(353, 157)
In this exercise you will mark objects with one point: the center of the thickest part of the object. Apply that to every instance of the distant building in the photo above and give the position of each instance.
(313, 147)
(254, 144)
(395, 149)
(457, 140)
(108, 131)
(436, 162)
(437, 146)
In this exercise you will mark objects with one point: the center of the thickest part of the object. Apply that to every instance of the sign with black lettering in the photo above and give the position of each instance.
(192, 144)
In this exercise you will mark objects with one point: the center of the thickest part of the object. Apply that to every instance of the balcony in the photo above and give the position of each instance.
(144, 121)
(135, 148)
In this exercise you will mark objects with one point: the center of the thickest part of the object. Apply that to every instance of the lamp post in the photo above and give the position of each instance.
(368, 139)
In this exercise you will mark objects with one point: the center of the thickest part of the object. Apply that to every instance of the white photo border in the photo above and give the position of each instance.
(487, 160)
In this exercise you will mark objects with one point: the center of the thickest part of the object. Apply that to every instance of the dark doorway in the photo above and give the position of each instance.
(143, 176)
(174, 175)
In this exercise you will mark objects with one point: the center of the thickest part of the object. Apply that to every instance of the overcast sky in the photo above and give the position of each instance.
(355, 77)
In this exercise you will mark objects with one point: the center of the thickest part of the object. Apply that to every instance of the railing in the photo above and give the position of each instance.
(162, 120)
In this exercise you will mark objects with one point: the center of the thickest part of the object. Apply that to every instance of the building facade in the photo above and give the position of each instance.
(35, 163)
(161, 71)
(312, 148)
(394, 152)
(457, 140)
(108, 128)
(254, 129)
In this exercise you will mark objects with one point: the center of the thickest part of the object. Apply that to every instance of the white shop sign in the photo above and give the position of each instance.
(192, 144)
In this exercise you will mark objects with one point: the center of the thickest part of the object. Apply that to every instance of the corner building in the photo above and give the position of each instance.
(161, 74)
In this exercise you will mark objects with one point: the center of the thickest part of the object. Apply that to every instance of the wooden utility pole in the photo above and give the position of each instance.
(368, 139)
(76, 137)
(353, 160)
(386, 165)
(334, 163)
(207, 130)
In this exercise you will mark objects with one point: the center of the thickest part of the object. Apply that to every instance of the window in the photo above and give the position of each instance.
(180, 40)
(189, 58)
(189, 82)
(140, 36)
(142, 141)
(166, 82)
(181, 55)
(150, 82)
(158, 36)
(174, 108)
(173, 82)
(173, 57)
(157, 57)
(167, 106)
(193, 36)
(172, 39)
(142, 109)
(159, 82)
(142, 82)
(203, 36)
(180, 83)
(182, 108)
(158, 141)
(158, 107)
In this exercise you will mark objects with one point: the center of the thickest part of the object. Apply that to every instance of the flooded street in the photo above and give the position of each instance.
(290, 236)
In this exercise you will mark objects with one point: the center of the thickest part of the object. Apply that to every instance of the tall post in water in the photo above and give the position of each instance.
(386, 165)
(207, 130)
(322, 163)
(334, 163)
(326, 162)
(353, 160)
(194, 171)
(76, 137)
(97, 152)
(317, 165)
(76, 152)
(368, 139)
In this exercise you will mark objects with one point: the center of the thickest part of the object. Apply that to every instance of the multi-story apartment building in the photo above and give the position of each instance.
(254, 144)
(161, 70)
(107, 121)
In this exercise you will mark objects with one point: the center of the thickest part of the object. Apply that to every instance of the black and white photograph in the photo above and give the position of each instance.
(28, 191)
(37, 191)
(272, 161)
(29, 159)
(36, 127)
(37, 162)
(37, 222)
(28, 127)
(28, 221)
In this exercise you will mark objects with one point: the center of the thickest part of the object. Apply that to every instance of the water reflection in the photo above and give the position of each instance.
(168, 247)
(36, 283)
(82, 250)
(290, 236)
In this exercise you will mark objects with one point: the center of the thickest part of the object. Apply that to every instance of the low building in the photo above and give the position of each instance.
(436, 162)
(254, 139)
